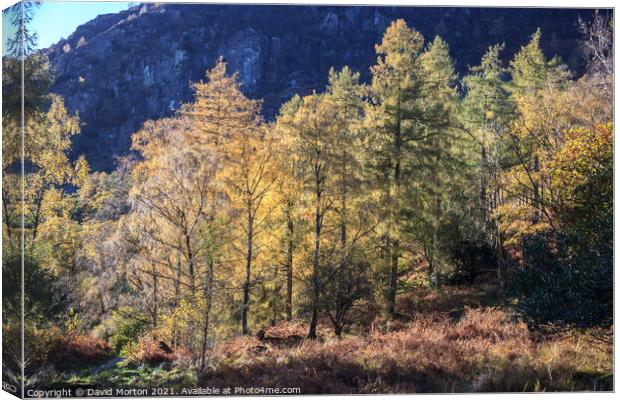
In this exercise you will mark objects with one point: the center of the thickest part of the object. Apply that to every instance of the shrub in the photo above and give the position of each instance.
(74, 352)
(128, 330)
(555, 285)
(487, 350)
(489, 324)
(147, 351)
(471, 259)
(43, 301)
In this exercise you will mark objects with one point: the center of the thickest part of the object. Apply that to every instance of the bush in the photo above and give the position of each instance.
(471, 260)
(43, 301)
(79, 351)
(555, 285)
(147, 351)
(128, 330)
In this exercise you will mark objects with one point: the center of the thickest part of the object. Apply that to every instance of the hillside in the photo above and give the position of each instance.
(119, 70)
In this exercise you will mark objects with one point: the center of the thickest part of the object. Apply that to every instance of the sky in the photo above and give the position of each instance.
(54, 20)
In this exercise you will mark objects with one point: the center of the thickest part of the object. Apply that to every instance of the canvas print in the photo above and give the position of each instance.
(235, 199)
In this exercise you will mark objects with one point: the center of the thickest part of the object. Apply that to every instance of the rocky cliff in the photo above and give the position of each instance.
(119, 70)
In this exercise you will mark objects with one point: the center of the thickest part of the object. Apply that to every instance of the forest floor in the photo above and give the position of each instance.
(461, 342)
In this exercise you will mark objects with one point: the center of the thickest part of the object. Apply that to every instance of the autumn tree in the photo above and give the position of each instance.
(597, 47)
(581, 173)
(312, 143)
(439, 194)
(229, 125)
(41, 236)
(592, 93)
(538, 90)
(289, 189)
(173, 197)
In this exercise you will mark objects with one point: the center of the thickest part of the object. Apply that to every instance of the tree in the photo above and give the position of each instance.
(597, 44)
(530, 69)
(40, 231)
(290, 190)
(394, 86)
(343, 286)
(564, 276)
(174, 200)
(582, 175)
(346, 275)
(24, 41)
(230, 126)
(24, 127)
(409, 122)
(311, 143)
(538, 91)
(488, 112)
(438, 157)
(593, 92)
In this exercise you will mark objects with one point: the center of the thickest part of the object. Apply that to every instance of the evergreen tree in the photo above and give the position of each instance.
(409, 123)
(346, 281)
(487, 112)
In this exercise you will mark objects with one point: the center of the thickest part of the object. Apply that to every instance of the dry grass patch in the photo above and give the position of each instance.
(486, 350)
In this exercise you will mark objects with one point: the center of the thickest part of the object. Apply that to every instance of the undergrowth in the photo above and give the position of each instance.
(486, 350)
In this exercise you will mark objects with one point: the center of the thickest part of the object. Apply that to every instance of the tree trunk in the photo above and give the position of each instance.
(429, 259)
(393, 243)
(343, 211)
(6, 215)
(315, 259)
(209, 300)
(37, 219)
(343, 248)
(192, 285)
(393, 259)
(190, 258)
(483, 183)
(248, 271)
(155, 289)
(434, 248)
(175, 303)
(536, 190)
(289, 268)
(338, 330)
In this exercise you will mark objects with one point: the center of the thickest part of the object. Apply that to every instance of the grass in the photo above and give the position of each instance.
(448, 341)
(485, 351)
(130, 376)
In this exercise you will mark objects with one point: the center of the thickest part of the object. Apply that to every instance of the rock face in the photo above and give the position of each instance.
(119, 70)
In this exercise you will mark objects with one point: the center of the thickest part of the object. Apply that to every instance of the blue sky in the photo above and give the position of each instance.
(54, 20)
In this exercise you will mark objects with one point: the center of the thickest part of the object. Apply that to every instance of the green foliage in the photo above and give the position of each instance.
(37, 81)
(567, 279)
(127, 330)
(530, 68)
(346, 285)
(73, 324)
(555, 285)
(24, 41)
(44, 302)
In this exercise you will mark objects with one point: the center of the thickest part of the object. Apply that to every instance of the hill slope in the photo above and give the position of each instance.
(119, 70)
